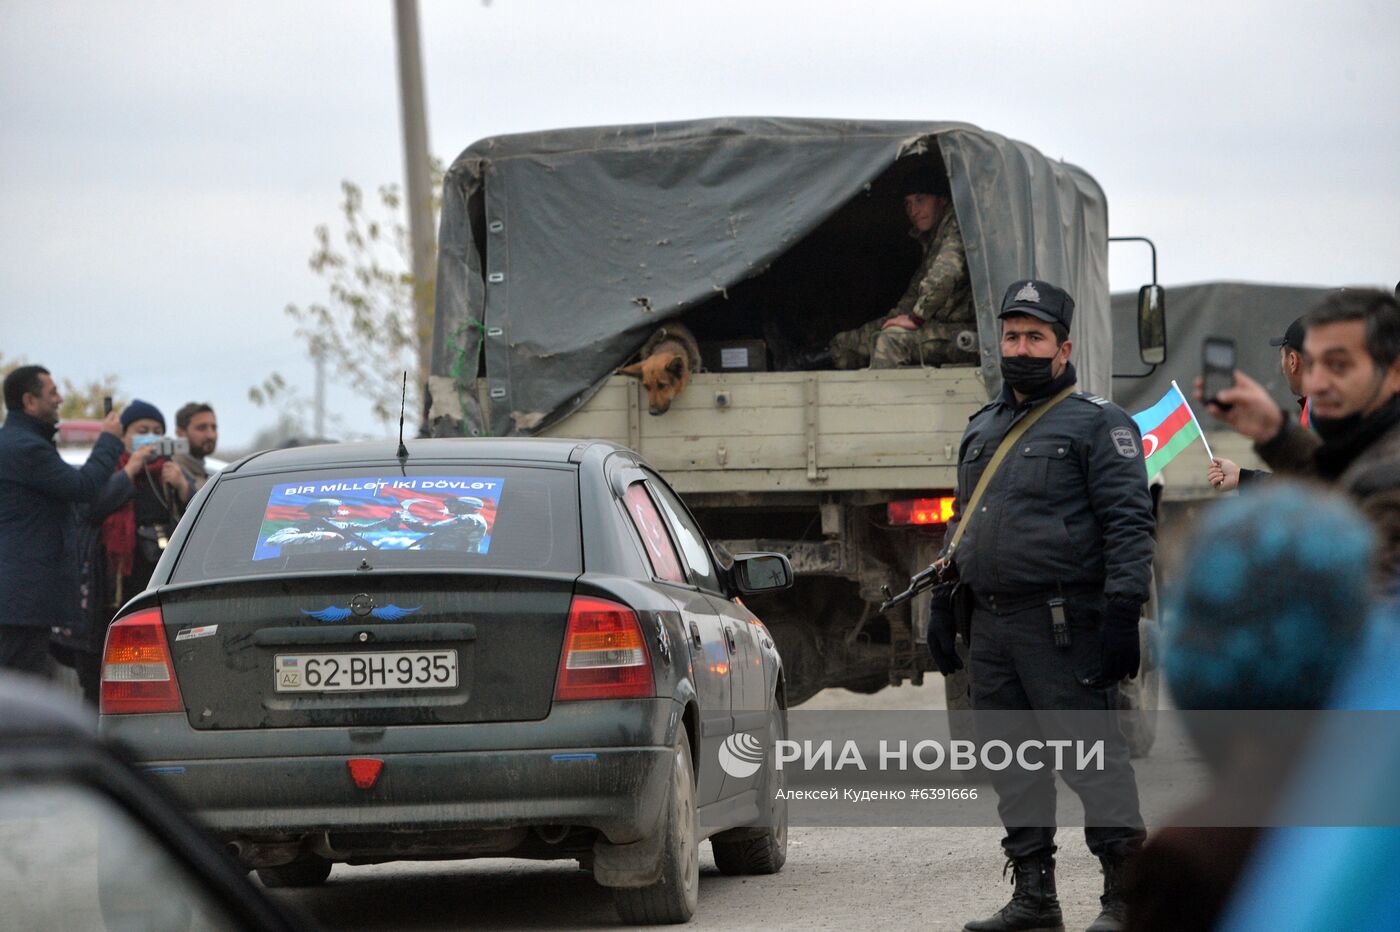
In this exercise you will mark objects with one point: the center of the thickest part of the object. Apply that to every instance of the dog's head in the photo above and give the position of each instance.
(663, 375)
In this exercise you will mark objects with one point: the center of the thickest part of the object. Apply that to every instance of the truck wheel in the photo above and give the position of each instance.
(1137, 698)
(307, 871)
(761, 849)
(803, 668)
(672, 898)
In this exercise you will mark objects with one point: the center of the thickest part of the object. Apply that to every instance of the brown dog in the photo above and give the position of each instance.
(669, 356)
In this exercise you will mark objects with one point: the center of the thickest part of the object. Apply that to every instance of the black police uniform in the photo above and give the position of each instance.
(1067, 516)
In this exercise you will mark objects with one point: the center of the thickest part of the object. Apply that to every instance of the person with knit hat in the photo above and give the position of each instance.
(118, 541)
(924, 325)
(135, 535)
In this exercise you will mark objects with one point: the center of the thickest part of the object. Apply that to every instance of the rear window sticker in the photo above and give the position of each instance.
(454, 513)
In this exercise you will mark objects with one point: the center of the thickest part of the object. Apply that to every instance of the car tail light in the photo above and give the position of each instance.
(921, 511)
(138, 674)
(605, 654)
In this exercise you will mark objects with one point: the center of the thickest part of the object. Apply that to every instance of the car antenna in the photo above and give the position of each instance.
(403, 403)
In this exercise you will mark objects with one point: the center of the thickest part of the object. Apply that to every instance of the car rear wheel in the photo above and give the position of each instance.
(672, 898)
(307, 871)
(761, 849)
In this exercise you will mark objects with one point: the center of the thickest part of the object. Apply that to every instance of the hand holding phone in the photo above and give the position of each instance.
(1217, 368)
(106, 405)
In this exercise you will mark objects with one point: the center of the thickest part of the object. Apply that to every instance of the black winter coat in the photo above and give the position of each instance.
(1068, 510)
(38, 529)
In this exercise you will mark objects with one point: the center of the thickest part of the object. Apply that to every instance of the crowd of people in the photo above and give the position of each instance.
(76, 542)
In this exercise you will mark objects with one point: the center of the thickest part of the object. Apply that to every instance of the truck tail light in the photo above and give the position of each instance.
(138, 674)
(605, 654)
(921, 511)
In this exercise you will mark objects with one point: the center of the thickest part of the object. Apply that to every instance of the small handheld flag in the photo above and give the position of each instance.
(1168, 427)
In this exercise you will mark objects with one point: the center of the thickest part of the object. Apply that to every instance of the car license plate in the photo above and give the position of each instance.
(404, 669)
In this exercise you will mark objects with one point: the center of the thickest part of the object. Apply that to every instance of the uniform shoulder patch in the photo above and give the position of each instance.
(1091, 398)
(1124, 442)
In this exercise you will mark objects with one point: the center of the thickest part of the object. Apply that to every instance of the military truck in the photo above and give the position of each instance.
(561, 252)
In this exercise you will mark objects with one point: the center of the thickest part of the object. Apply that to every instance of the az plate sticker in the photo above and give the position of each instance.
(203, 631)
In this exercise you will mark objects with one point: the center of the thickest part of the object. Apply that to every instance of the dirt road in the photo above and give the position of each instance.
(835, 878)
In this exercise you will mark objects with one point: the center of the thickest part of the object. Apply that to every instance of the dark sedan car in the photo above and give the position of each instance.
(517, 648)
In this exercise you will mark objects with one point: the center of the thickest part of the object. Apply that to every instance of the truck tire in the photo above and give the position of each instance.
(803, 667)
(760, 849)
(672, 898)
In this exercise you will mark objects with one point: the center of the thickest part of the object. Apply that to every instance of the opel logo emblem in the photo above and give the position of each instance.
(362, 604)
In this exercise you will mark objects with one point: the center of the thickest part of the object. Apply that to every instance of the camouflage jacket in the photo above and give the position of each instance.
(939, 291)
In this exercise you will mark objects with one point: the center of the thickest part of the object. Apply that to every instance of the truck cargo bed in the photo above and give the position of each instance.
(794, 431)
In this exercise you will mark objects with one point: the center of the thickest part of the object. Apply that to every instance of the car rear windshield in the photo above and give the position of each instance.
(425, 517)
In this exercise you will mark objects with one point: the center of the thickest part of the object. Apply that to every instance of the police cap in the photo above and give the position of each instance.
(1040, 300)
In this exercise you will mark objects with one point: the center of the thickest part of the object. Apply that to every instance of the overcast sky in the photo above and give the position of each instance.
(163, 165)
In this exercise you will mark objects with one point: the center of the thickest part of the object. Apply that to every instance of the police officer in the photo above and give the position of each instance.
(1055, 564)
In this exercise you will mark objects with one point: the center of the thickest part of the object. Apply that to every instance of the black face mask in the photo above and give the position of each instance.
(1331, 428)
(1335, 428)
(1027, 374)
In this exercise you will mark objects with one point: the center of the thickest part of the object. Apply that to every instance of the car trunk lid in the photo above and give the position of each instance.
(362, 650)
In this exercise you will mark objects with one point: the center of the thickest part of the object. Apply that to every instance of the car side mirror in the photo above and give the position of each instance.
(1152, 324)
(761, 572)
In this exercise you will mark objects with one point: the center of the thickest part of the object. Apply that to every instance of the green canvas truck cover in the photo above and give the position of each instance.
(1249, 313)
(562, 251)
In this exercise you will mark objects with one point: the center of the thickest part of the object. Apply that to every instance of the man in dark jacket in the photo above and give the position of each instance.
(38, 532)
(1055, 555)
(1351, 375)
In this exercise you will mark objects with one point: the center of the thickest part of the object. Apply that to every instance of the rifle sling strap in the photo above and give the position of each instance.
(1012, 436)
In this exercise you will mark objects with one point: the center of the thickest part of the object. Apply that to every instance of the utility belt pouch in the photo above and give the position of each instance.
(961, 599)
(1059, 625)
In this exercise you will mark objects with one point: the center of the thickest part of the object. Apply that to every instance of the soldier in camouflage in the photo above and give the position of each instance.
(924, 326)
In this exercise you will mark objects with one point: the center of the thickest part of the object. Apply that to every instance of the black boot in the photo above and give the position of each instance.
(1114, 907)
(1033, 906)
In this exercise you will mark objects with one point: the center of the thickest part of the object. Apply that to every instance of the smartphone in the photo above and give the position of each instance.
(1217, 367)
(106, 405)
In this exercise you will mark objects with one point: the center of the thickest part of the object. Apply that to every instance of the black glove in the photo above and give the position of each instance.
(941, 629)
(1122, 653)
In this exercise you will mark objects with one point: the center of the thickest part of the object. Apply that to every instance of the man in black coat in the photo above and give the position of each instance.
(1055, 561)
(38, 530)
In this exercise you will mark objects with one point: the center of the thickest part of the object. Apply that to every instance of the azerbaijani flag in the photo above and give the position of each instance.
(1168, 427)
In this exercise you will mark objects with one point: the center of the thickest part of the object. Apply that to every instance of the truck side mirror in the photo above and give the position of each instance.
(1152, 324)
(761, 572)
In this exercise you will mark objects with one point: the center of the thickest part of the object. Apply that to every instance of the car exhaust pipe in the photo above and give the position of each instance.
(552, 834)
